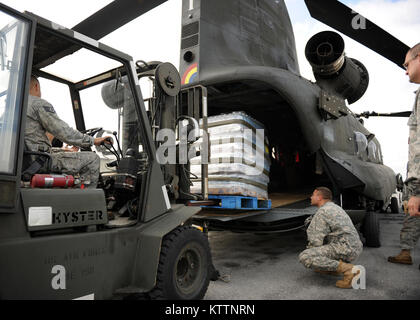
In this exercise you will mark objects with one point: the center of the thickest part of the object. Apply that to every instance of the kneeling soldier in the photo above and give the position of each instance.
(331, 225)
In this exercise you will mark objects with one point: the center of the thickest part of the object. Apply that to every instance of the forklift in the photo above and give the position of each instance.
(128, 237)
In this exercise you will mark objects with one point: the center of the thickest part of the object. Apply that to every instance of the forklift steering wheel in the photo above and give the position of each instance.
(91, 132)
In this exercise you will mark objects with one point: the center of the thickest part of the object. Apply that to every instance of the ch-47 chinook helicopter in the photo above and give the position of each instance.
(241, 56)
(244, 53)
(235, 56)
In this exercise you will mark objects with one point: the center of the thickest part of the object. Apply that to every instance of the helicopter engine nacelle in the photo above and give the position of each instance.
(333, 70)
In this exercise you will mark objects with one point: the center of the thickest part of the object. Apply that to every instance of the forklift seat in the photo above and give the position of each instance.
(30, 167)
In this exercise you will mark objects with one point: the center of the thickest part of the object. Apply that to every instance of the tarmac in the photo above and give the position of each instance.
(266, 267)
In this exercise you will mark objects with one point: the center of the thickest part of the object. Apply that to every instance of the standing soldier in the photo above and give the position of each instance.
(331, 225)
(410, 233)
(41, 118)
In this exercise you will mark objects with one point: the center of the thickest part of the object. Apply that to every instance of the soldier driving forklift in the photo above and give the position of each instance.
(150, 247)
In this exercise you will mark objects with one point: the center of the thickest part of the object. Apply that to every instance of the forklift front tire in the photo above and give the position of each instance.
(185, 265)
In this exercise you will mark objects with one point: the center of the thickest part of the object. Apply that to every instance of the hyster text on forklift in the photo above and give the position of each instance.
(126, 237)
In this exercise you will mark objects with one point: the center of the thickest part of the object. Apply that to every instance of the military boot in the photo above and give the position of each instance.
(331, 273)
(403, 257)
(346, 270)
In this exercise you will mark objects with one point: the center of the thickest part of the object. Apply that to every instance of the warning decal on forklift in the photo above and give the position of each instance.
(87, 297)
(39, 216)
(165, 195)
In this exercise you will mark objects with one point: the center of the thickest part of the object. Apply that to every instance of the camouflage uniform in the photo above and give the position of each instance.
(41, 117)
(410, 232)
(330, 225)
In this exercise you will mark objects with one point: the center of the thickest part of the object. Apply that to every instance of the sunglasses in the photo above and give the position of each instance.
(405, 65)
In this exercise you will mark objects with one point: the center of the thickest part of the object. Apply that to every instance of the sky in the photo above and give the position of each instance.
(156, 37)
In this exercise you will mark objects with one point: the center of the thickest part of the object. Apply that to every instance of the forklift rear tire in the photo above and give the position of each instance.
(184, 267)
(371, 230)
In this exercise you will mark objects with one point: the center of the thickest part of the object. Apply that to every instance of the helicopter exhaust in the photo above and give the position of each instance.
(333, 70)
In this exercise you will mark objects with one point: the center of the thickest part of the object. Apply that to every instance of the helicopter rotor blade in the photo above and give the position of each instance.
(367, 114)
(113, 16)
(98, 25)
(342, 18)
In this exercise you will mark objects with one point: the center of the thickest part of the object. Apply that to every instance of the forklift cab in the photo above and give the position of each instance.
(120, 111)
(42, 228)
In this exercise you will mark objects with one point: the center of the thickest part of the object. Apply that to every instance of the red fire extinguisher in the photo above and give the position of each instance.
(52, 181)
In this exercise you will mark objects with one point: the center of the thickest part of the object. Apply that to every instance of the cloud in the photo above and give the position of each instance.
(396, 17)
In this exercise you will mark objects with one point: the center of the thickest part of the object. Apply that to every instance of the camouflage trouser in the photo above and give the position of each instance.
(84, 164)
(326, 258)
(410, 232)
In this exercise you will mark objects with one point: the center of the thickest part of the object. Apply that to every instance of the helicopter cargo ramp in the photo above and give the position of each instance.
(289, 214)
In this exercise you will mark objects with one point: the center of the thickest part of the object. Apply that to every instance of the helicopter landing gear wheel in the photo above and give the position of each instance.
(371, 230)
(184, 266)
(394, 205)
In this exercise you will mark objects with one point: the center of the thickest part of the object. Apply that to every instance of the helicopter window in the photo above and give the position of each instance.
(379, 155)
(361, 144)
(372, 151)
(13, 35)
